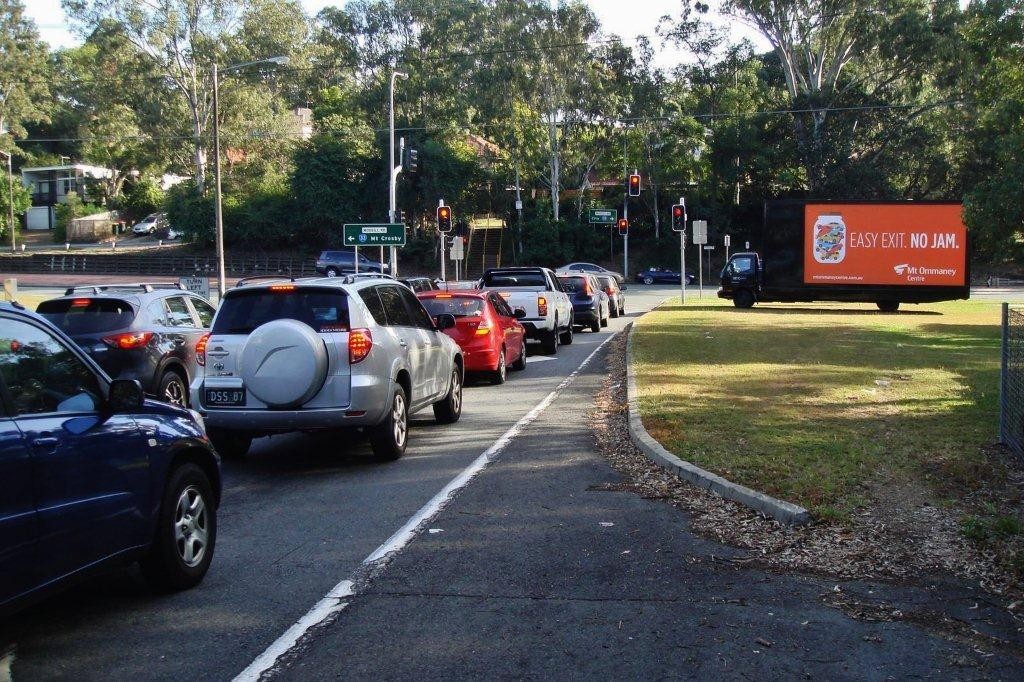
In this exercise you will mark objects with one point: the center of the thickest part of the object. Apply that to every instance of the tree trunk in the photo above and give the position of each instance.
(554, 163)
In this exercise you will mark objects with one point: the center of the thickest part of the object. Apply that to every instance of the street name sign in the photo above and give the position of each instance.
(374, 234)
(604, 216)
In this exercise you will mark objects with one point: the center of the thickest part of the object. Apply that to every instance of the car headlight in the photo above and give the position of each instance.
(199, 420)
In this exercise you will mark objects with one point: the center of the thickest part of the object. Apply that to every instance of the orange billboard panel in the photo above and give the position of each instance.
(902, 244)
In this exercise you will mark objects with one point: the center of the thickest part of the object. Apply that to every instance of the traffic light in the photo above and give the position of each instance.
(411, 162)
(634, 185)
(444, 219)
(679, 218)
(399, 216)
(623, 227)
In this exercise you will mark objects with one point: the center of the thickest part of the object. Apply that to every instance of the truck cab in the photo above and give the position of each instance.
(741, 279)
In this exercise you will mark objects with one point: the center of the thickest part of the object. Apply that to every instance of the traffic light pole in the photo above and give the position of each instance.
(393, 170)
(444, 238)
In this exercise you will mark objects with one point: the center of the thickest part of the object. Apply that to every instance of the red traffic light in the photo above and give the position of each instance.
(623, 226)
(677, 211)
(634, 185)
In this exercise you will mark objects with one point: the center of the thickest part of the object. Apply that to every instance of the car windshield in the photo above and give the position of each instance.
(514, 279)
(459, 306)
(151, 218)
(605, 281)
(323, 309)
(76, 316)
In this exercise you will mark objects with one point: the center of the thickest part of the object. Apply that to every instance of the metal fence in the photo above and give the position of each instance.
(1011, 380)
(156, 264)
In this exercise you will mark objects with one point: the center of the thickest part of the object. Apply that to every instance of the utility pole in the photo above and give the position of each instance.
(218, 211)
(393, 170)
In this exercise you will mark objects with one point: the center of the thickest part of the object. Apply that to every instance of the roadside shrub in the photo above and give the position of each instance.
(191, 213)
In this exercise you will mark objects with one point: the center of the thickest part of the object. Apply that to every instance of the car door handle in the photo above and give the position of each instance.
(46, 444)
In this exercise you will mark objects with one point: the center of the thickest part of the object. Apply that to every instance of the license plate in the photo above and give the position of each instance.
(225, 396)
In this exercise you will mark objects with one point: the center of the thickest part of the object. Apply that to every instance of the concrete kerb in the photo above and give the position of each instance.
(784, 512)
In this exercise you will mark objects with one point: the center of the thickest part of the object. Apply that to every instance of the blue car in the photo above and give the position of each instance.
(659, 276)
(94, 475)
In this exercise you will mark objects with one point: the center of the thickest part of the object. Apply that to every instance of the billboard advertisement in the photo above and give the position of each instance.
(902, 244)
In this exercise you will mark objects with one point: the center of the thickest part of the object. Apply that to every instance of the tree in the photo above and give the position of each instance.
(837, 55)
(182, 39)
(22, 200)
(112, 138)
(24, 70)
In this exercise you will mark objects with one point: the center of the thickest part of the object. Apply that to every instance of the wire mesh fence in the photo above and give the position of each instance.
(1011, 380)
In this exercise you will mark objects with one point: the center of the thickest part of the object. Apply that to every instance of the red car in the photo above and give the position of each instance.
(486, 329)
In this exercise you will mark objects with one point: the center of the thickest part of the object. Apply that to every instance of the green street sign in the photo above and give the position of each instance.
(604, 216)
(374, 234)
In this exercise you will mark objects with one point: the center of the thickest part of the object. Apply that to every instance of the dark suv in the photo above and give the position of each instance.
(93, 474)
(147, 332)
(335, 263)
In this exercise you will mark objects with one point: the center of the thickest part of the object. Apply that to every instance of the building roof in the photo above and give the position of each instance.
(94, 171)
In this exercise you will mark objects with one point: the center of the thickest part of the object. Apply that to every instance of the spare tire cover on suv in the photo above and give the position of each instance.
(284, 363)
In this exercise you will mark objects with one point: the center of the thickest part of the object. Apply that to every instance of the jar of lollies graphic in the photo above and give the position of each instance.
(829, 239)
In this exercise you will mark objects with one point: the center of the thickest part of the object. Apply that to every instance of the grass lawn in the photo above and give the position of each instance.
(826, 404)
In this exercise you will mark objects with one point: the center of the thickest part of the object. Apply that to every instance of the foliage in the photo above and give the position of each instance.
(191, 213)
(22, 200)
(142, 198)
(73, 208)
(24, 85)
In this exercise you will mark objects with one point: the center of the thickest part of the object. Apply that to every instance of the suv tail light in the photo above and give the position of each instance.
(360, 342)
(201, 349)
(609, 290)
(128, 340)
(542, 306)
(587, 291)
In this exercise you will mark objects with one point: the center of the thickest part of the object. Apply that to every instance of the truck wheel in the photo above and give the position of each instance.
(566, 337)
(549, 342)
(888, 306)
(743, 299)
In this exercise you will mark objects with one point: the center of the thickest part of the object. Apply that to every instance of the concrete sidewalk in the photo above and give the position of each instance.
(547, 567)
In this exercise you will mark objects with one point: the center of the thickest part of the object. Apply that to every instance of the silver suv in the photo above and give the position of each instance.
(317, 354)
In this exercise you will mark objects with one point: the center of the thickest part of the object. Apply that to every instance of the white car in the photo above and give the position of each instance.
(590, 268)
(150, 224)
(549, 314)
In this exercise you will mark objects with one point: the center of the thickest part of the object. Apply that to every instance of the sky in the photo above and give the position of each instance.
(626, 18)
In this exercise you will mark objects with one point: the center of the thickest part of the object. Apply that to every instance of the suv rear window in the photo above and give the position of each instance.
(325, 310)
(515, 279)
(76, 316)
(571, 284)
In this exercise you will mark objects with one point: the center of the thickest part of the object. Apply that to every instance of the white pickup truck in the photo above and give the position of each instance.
(538, 292)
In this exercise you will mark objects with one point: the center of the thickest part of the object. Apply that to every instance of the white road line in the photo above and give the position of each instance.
(334, 601)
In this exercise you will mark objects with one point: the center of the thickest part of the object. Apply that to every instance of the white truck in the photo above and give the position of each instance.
(538, 292)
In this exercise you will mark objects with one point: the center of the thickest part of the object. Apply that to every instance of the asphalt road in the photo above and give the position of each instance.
(298, 515)
(540, 567)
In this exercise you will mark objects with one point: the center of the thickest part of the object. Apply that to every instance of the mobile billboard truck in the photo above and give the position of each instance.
(867, 252)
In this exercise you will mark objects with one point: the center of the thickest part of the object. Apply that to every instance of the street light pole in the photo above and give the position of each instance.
(218, 213)
(393, 170)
